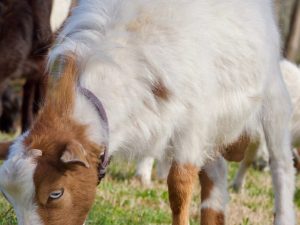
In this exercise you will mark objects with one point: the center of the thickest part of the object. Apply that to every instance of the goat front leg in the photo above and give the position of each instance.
(181, 181)
(214, 194)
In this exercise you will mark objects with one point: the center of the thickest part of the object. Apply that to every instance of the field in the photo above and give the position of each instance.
(121, 200)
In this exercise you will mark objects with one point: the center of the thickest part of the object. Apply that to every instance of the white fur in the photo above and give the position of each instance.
(144, 169)
(145, 165)
(163, 168)
(282, 169)
(291, 76)
(60, 11)
(120, 66)
(16, 182)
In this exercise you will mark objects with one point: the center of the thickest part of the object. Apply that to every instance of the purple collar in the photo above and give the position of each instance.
(104, 159)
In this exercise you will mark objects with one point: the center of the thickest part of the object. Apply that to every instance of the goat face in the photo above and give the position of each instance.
(50, 182)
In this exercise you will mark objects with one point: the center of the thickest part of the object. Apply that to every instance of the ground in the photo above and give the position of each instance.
(121, 200)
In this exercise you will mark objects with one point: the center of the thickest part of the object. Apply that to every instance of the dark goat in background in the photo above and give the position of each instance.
(25, 36)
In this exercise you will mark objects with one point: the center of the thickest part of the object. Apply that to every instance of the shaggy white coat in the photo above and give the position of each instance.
(219, 71)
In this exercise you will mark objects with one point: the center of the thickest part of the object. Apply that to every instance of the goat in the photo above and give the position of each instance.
(194, 77)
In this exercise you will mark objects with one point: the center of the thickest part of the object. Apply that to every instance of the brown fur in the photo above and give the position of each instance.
(4, 147)
(160, 91)
(53, 133)
(209, 216)
(206, 185)
(181, 181)
(236, 151)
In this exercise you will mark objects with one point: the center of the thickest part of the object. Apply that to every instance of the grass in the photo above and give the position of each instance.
(122, 200)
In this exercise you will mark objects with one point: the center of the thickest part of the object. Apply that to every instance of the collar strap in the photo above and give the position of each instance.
(104, 159)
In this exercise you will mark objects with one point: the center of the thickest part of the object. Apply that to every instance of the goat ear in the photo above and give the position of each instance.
(75, 153)
(4, 149)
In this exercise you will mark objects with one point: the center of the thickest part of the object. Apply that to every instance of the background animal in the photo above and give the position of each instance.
(11, 107)
(26, 34)
(24, 41)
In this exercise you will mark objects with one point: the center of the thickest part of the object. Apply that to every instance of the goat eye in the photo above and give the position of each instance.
(56, 194)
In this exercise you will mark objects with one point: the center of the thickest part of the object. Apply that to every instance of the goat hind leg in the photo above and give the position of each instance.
(276, 128)
(181, 181)
(214, 195)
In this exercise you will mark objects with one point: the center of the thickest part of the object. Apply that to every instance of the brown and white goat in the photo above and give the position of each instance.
(193, 75)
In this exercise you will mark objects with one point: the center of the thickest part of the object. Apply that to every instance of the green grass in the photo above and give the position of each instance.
(121, 200)
(124, 201)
